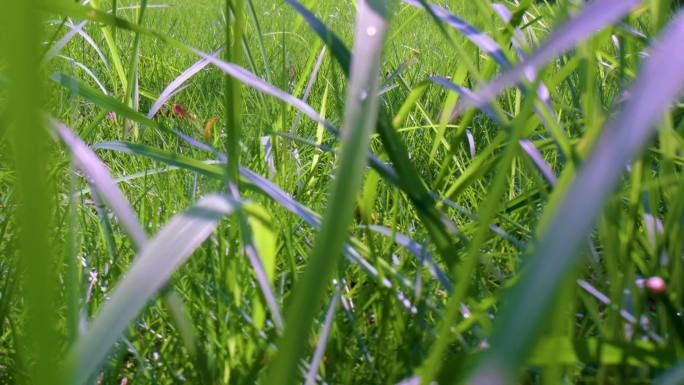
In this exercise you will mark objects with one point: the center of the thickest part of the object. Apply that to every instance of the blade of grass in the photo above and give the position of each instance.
(173, 87)
(484, 42)
(110, 40)
(21, 33)
(106, 187)
(88, 162)
(659, 82)
(260, 39)
(594, 16)
(87, 71)
(322, 341)
(360, 119)
(232, 88)
(538, 161)
(407, 178)
(107, 102)
(152, 268)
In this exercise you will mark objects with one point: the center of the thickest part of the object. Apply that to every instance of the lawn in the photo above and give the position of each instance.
(327, 192)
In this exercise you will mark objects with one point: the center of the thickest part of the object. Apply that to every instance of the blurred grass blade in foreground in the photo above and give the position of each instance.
(21, 32)
(526, 306)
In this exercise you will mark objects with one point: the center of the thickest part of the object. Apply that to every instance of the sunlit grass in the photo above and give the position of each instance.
(460, 192)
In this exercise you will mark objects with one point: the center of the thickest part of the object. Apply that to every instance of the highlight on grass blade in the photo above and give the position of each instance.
(360, 118)
(478, 37)
(594, 16)
(176, 84)
(89, 163)
(659, 82)
(154, 265)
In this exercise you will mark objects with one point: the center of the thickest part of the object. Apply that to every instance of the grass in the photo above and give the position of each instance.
(372, 192)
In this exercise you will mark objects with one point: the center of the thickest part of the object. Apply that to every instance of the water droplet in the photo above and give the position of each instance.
(371, 31)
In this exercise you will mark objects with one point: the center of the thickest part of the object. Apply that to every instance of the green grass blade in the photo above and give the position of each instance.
(525, 308)
(110, 39)
(176, 84)
(155, 264)
(132, 97)
(88, 162)
(322, 341)
(232, 87)
(21, 35)
(595, 16)
(408, 179)
(104, 101)
(360, 119)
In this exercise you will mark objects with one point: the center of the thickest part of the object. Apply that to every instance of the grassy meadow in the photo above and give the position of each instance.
(391, 192)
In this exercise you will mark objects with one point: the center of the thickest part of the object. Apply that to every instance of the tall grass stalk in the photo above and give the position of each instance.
(360, 118)
(21, 32)
(232, 88)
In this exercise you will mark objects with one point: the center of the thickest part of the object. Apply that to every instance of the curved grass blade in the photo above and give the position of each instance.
(104, 101)
(61, 43)
(89, 163)
(259, 84)
(538, 161)
(156, 262)
(343, 56)
(87, 71)
(322, 340)
(525, 308)
(105, 186)
(173, 87)
(479, 38)
(92, 43)
(593, 17)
